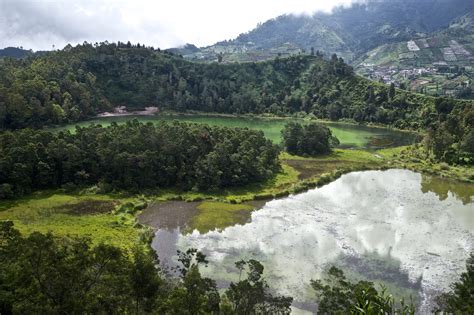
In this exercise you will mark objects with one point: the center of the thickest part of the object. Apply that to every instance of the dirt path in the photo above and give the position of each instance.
(122, 111)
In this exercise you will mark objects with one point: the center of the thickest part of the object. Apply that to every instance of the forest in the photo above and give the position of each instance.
(133, 157)
(44, 274)
(79, 82)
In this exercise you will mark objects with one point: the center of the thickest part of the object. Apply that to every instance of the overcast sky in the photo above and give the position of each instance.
(39, 24)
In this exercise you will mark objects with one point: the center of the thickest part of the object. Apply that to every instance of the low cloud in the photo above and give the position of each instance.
(41, 24)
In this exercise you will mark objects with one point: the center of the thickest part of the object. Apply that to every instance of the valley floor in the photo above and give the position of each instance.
(112, 218)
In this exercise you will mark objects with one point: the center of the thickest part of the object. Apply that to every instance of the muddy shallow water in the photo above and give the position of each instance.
(408, 231)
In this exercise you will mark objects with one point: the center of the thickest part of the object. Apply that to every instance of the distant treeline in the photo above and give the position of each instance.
(135, 156)
(76, 83)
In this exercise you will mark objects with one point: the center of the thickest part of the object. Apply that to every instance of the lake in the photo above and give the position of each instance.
(350, 135)
(411, 232)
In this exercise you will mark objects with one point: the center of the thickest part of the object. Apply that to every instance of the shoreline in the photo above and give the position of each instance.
(122, 111)
(155, 111)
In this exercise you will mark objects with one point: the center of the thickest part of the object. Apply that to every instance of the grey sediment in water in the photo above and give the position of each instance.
(409, 231)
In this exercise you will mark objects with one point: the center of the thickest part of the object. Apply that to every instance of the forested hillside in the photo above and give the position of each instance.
(76, 83)
(347, 31)
(423, 46)
(14, 52)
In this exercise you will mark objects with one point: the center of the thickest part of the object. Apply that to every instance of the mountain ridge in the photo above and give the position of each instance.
(348, 32)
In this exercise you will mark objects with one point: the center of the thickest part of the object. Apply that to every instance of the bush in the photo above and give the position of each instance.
(308, 139)
(444, 166)
(6, 191)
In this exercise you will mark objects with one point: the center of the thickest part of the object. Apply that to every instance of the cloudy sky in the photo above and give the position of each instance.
(39, 24)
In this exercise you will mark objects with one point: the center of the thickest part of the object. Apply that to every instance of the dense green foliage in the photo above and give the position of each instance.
(42, 274)
(461, 299)
(76, 83)
(251, 295)
(135, 156)
(451, 133)
(337, 295)
(308, 139)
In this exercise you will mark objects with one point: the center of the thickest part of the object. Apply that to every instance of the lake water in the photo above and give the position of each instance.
(412, 233)
(350, 135)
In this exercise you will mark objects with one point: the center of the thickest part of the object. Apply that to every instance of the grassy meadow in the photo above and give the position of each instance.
(102, 216)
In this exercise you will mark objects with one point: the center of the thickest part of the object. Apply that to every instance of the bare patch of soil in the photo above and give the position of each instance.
(308, 169)
(88, 207)
(315, 168)
(122, 111)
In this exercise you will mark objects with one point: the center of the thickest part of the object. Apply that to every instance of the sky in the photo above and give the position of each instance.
(40, 24)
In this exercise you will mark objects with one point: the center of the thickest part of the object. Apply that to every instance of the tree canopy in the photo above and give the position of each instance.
(78, 82)
(308, 139)
(43, 274)
(135, 156)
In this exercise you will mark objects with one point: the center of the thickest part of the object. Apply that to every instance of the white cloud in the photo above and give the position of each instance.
(40, 24)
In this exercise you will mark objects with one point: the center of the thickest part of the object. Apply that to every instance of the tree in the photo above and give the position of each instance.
(196, 295)
(50, 275)
(45, 274)
(251, 296)
(135, 156)
(468, 143)
(337, 295)
(144, 280)
(308, 139)
(292, 135)
(460, 299)
(391, 92)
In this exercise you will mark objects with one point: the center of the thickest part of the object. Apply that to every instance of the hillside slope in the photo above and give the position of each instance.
(14, 52)
(77, 83)
(439, 64)
(347, 31)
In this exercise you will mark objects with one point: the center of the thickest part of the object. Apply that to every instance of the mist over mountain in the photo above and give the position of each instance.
(426, 46)
(347, 31)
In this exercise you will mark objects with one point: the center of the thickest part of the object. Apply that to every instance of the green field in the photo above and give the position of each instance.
(350, 135)
(73, 214)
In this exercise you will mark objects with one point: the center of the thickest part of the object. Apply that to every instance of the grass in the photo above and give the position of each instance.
(338, 161)
(219, 215)
(56, 212)
(350, 135)
(271, 188)
(91, 215)
(412, 158)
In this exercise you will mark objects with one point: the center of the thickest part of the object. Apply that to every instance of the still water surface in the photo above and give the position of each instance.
(349, 135)
(411, 232)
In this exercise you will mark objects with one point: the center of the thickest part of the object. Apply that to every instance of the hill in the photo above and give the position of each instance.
(426, 46)
(76, 83)
(439, 64)
(347, 31)
(14, 52)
